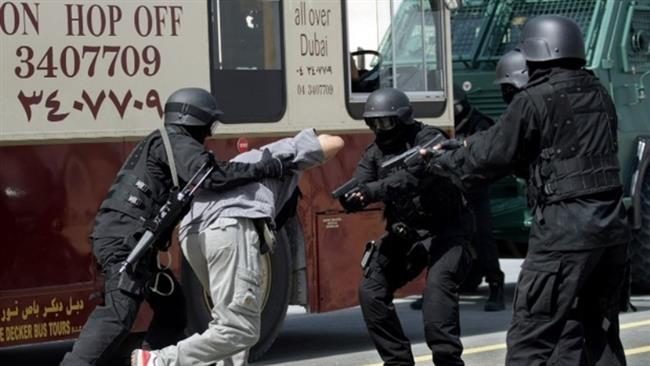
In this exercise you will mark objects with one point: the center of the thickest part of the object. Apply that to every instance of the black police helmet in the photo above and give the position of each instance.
(512, 70)
(193, 107)
(552, 37)
(389, 102)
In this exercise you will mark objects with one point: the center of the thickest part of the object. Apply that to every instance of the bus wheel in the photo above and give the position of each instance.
(640, 246)
(276, 283)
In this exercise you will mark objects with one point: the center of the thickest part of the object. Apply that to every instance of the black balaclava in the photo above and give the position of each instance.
(394, 140)
(199, 133)
(508, 92)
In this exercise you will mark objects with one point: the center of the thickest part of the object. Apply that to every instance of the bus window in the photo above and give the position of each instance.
(247, 60)
(399, 44)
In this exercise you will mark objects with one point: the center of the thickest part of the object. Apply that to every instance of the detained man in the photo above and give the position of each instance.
(220, 241)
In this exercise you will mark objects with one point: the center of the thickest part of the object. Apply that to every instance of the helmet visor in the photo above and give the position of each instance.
(381, 123)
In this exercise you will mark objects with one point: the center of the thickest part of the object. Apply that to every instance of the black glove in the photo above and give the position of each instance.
(356, 199)
(399, 183)
(443, 165)
(417, 165)
(441, 161)
(288, 165)
(451, 144)
(275, 166)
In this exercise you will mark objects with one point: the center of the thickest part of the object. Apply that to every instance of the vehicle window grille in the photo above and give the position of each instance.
(467, 24)
(512, 17)
(639, 38)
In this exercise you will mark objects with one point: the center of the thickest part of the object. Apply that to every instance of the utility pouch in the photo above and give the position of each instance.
(131, 281)
(129, 284)
(266, 234)
(367, 254)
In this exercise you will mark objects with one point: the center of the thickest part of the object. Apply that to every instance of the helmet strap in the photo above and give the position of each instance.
(193, 111)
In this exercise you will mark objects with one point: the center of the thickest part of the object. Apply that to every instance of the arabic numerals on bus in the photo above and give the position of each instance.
(320, 89)
(315, 89)
(71, 60)
(300, 89)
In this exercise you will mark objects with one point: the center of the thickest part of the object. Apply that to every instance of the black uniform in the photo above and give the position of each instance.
(138, 192)
(479, 200)
(424, 214)
(563, 126)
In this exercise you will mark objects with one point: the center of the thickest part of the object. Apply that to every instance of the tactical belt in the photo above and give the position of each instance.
(132, 180)
(557, 180)
(126, 203)
(130, 195)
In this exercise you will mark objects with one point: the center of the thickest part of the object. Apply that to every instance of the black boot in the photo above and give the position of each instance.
(496, 301)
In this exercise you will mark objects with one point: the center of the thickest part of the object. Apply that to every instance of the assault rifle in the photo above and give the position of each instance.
(409, 155)
(157, 230)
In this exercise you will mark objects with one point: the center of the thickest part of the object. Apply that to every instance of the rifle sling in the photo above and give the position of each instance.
(170, 155)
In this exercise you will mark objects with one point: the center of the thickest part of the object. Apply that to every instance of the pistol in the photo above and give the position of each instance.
(345, 188)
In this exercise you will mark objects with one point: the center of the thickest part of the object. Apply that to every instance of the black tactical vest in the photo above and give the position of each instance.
(136, 192)
(578, 143)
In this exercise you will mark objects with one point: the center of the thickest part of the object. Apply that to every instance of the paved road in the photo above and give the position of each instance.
(340, 338)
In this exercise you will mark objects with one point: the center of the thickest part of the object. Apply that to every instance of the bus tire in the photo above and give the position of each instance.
(640, 245)
(279, 293)
(275, 289)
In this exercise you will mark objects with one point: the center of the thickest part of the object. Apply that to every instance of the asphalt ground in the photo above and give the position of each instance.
(340, 337)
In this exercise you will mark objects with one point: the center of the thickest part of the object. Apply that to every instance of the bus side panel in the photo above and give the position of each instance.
(340, 247)
(49, 198)
(49, 195)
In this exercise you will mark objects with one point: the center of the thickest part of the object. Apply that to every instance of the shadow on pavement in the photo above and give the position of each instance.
(308, 336)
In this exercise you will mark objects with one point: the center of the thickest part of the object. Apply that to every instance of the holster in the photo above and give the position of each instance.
(133, 281)
(369, 250)
(128, 283)
(267, 234)
(417, 255)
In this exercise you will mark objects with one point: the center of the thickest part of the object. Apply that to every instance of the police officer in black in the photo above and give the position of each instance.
(427, 226)
(511, 74)
(468, 121)
(563, 126)
(138, 192)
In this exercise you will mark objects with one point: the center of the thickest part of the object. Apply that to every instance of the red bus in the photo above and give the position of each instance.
(82, 81)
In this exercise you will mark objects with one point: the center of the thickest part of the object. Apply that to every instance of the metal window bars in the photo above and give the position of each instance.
(504, 20)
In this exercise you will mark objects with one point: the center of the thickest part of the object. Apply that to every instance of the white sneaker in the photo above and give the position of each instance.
(141, 357)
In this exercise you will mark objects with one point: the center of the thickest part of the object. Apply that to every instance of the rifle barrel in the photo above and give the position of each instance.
(136, 253)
